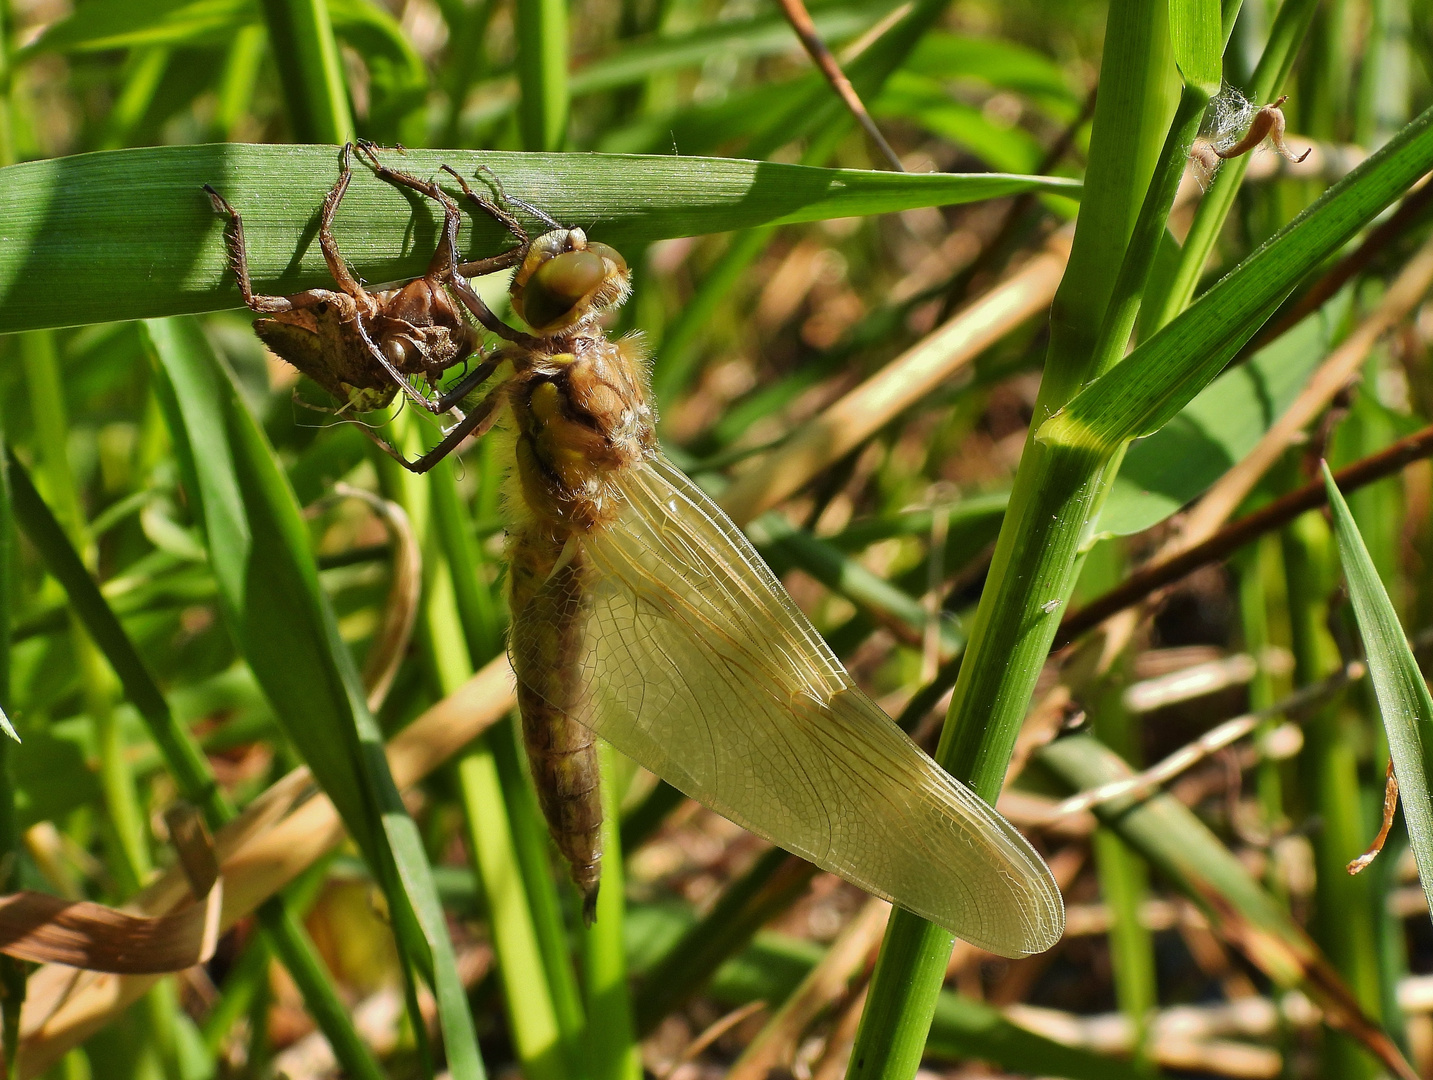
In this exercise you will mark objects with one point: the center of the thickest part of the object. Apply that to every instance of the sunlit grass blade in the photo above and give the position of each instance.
(611, 1051)
(133, 233)
(310, 70)
(541, 27)
(270, 597)
(184, 759)
(1163, 374)
(1403, 696)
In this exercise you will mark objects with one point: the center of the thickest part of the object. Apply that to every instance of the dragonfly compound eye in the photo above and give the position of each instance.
(399, 352)
(559, 286)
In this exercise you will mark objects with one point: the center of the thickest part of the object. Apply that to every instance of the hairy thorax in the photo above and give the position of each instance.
(580, 417)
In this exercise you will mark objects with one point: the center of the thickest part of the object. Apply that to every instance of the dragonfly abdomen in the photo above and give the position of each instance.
(547, 593)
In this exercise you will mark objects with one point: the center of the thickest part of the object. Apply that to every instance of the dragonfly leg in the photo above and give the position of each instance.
(468, 383)
(445, 259)
(336, 266)
(475, 423)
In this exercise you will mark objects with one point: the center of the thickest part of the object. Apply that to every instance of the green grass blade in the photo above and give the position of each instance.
(121, 24)
(1143, 393)
(185, 760)
(1196, 31)
(541, 27)
(784, 545)
(1403, 697)
(1285, 36)
(611, 1051)
(133, 235)
(767, 34)
(310, 70)
(278, 615)
(531, 1017)
(1344, 909)
(533, 849)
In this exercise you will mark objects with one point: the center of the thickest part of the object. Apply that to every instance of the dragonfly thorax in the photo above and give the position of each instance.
(581, 417)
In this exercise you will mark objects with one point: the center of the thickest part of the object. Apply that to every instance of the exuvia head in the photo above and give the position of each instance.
(566, 279)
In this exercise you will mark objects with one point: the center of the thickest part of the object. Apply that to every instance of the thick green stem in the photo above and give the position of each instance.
(1056, 493)
(541, 27)
(310, 70)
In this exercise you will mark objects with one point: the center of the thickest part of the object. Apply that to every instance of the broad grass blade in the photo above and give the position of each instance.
(281, 620)
(1403, 696)
(133, 232)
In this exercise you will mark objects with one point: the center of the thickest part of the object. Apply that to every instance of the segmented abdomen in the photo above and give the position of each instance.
(547, 604)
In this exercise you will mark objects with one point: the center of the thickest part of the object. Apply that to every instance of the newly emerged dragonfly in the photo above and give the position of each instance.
(640, 613)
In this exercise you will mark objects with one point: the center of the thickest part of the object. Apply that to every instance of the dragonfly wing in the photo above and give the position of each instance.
(694, 661)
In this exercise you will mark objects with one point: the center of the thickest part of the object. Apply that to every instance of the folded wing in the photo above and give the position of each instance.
(695, 662)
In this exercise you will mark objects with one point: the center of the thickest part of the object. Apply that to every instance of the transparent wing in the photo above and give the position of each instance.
(695, 662)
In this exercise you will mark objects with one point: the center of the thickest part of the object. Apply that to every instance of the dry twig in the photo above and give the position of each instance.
(800, 20)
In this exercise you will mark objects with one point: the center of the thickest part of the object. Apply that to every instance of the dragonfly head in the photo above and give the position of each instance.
(566, 279)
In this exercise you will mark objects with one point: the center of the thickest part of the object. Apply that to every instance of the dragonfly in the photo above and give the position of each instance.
(640, 613)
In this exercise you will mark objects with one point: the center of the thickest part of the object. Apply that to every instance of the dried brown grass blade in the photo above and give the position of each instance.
(903, 382)
(390, 643)
(49, 930)
(1390, 807)
(260, 852)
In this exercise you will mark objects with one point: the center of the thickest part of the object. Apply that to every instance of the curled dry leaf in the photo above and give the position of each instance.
(47, 929)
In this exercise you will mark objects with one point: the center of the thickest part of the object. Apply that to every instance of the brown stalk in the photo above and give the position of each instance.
(776, 1043)
(902, 383)
(258, 855)
(713, 1032)
(1167, 569)
(800, 20)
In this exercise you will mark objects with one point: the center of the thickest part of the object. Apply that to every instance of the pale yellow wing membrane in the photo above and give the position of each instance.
(695, 662)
